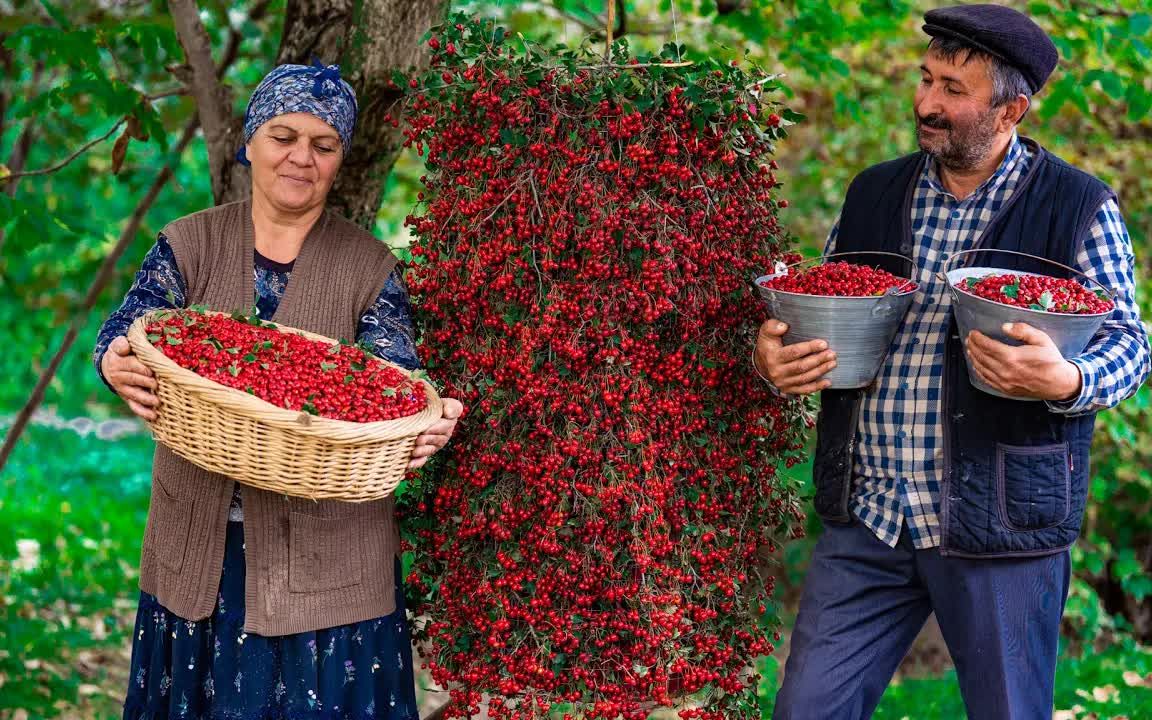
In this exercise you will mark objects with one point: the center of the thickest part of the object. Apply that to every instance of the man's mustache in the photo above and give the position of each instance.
(934, 121)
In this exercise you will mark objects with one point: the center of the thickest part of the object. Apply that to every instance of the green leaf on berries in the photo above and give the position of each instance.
(153, 338)
(1046, 300)
(249, 358)
(174, 340)
(234, 369)
(326, 366)
(1011, 291)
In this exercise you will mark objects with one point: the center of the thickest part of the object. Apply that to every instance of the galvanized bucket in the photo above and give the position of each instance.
(1070, 333)
(858, 329)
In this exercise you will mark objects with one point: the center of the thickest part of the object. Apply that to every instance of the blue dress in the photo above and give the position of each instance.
(211, 669)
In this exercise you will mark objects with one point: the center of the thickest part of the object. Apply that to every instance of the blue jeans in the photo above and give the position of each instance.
(864, 603)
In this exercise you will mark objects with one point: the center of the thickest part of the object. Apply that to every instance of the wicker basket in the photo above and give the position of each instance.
(286, 451)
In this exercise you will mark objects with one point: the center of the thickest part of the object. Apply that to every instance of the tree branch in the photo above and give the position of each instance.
(83, 149)
(236, 37)
(595, 26)
(222, 131)
(170, 92)
(107, 269)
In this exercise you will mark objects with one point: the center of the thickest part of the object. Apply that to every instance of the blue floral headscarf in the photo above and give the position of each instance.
(314, 89)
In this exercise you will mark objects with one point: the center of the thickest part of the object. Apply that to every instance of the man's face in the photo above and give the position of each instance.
(954, 120)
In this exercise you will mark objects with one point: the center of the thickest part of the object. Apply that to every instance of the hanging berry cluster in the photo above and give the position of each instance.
(1039, 292)
(582, 278)
(840, 279)
(338, 381)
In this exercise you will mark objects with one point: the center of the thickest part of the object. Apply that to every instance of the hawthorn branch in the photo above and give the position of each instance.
(107, 270)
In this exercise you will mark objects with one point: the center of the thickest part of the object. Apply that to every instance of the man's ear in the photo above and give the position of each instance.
(1014, 112)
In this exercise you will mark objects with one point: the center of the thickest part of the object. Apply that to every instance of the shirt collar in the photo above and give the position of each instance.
(1011, 158)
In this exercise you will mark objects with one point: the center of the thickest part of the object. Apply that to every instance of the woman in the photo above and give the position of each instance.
(254, 604)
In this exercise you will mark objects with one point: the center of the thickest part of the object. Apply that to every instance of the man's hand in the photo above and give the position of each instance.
(1033, 370)
(438, 435)
(794, 369)
(130, 378)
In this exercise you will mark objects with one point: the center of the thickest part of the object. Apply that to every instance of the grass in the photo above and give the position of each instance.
(72, 514)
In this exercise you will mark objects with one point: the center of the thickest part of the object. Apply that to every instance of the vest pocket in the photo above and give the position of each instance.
(323, 553)
(171, 518)
(1033, 484)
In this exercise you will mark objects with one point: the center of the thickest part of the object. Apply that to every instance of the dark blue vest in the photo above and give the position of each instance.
(1015, 474)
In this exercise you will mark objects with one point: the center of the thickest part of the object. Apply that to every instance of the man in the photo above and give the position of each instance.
(936, 496)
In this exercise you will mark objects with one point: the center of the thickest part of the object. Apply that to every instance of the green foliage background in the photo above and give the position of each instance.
(72, 71)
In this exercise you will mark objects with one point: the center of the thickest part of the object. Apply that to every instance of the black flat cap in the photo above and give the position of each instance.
(1000, 31)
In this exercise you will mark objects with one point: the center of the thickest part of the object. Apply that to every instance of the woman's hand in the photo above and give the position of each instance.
(438, 435)
(130, 378)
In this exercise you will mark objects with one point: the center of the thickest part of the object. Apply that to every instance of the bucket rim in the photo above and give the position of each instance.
(951, 261)
(832, 297)
(1046, 313)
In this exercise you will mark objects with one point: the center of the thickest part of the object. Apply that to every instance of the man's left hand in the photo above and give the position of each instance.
(437, 436)
(1033, 370)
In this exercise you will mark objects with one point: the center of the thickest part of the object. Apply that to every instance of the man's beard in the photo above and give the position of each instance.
(957, 146)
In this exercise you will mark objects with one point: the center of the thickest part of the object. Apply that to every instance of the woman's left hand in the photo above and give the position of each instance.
(438, 435)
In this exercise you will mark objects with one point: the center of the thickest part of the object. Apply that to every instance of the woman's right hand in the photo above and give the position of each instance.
(796, 369)
(130, 378)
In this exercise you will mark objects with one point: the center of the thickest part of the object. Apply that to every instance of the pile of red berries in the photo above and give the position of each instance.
(840, 279)
(595, 533)
(1039, 292)
(340, 381)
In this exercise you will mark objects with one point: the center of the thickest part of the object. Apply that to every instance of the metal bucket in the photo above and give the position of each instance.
(858, 329)
(1070, 333)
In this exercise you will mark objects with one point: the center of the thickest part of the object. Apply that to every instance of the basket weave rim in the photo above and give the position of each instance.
(296, 421)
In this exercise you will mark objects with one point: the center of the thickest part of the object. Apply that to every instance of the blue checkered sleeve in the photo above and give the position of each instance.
(1116, 361)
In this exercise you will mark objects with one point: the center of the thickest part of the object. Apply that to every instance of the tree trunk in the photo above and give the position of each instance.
(369, 39)
(384, 35)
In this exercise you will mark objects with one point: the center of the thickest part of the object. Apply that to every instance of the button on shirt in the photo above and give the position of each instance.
(898, 463)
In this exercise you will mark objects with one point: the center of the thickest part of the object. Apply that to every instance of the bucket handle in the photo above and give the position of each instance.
(943, 274)
(856, 252)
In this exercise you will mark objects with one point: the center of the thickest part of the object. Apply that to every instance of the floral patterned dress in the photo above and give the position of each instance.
(211, 669)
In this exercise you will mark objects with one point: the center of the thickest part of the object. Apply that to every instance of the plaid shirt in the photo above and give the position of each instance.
(899, 453)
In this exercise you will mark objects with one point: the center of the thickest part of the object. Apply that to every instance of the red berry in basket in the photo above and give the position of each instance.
(840, 279)
(341, 382)
(1038, 292)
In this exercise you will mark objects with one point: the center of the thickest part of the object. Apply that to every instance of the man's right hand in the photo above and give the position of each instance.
(130, 378)
(796, 369)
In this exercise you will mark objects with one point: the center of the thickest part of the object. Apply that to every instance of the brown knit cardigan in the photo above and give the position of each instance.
(309, 564)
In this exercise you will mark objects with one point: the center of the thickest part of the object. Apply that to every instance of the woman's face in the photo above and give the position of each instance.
(294, 159)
